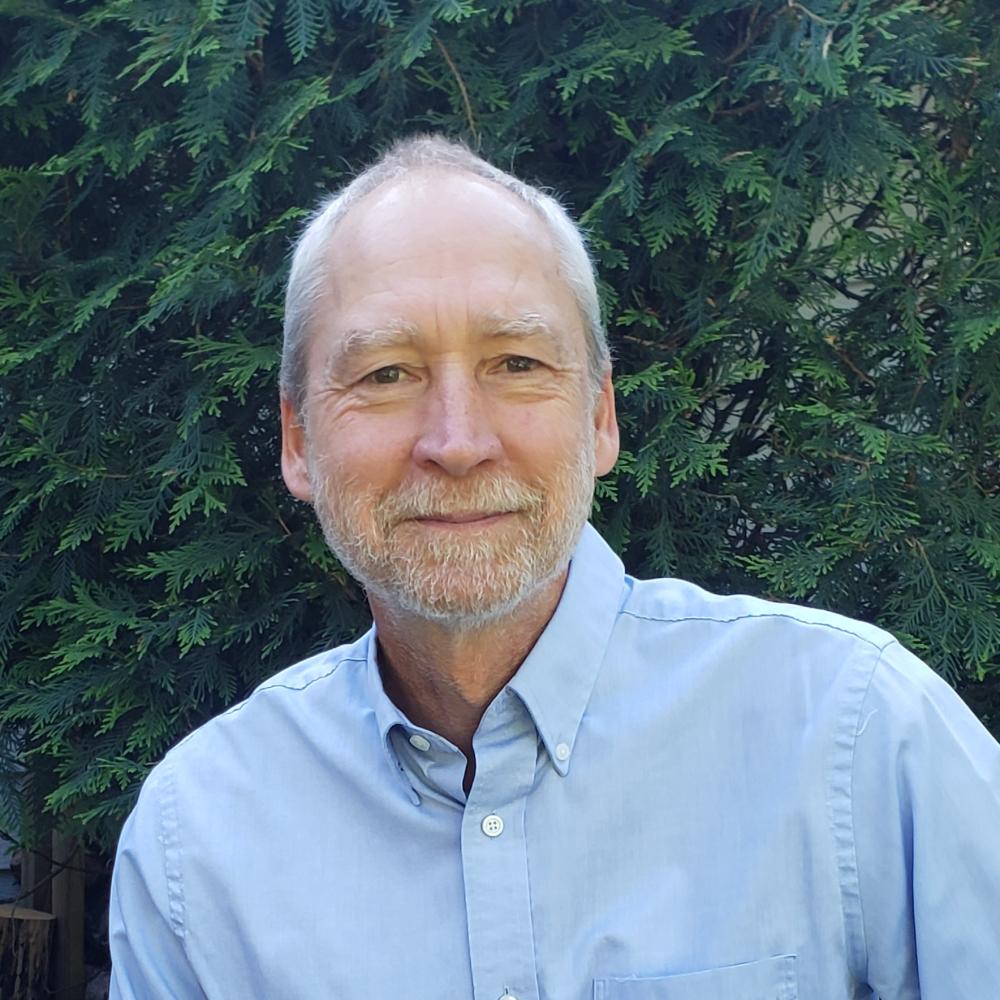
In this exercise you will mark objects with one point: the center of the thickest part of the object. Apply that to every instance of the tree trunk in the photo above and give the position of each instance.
(25, 936)
(68, 971)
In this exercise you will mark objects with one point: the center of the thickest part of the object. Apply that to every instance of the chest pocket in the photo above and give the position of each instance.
(768, 979)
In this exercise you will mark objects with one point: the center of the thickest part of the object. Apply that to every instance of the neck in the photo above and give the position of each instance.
(444, 678)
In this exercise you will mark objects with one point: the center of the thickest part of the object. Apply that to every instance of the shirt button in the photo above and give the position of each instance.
(420, 742)
(508, 996)
(562, 751)
(492, 827)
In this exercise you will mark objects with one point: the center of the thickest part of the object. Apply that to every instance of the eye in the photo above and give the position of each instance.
(389, 375)
(518, 364)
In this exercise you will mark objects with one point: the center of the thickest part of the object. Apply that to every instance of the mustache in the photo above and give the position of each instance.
(433, 498)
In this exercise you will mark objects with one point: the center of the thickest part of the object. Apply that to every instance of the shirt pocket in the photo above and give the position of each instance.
(769, 979)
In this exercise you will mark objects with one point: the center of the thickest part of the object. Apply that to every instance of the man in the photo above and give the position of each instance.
(537, 778)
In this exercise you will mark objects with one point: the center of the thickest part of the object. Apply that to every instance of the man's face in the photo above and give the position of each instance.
(452, 432)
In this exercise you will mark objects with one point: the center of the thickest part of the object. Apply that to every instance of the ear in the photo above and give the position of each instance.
(294, 453)
(605, 427)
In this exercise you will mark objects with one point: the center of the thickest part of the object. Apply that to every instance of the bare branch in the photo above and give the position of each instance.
(469, 116)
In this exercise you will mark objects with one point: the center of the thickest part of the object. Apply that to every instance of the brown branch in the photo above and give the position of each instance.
(846, 358)
(750, 36)
(470, 117)
(805, 10)
(864, 463)
(917, 389)
(742, 109)
(641, 341)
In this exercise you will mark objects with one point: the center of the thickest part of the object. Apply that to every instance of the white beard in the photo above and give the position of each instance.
(467, 578)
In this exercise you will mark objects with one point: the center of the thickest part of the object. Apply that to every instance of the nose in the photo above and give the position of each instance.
(456, 431)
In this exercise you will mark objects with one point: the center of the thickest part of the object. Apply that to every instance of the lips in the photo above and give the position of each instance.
(463, 518)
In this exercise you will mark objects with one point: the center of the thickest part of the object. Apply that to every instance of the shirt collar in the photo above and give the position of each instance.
(387, 715)
(556, 679)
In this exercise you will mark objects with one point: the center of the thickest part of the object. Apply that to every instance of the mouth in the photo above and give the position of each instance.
(471, 519)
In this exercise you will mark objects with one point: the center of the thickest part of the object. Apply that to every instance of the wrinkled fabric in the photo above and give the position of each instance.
(678, 796)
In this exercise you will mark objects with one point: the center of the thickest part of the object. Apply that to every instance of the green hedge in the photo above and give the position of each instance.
(794, 208)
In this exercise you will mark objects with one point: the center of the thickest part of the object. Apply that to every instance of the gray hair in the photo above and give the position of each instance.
(305, 280)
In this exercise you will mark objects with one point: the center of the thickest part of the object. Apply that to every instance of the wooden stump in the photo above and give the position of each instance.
(25, 937)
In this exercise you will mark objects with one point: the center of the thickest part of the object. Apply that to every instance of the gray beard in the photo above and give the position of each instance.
(469, 579)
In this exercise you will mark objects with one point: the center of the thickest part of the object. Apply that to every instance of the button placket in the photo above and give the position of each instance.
(494, 857)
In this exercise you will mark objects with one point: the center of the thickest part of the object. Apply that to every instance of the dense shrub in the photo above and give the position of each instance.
(794, 211)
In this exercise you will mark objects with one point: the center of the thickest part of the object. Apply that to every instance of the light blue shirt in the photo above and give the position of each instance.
(677, 797)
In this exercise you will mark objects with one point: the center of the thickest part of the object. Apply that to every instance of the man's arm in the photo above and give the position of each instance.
(146, 926)
(926, 804)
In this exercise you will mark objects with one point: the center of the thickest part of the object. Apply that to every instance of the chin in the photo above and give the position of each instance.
(464, 609)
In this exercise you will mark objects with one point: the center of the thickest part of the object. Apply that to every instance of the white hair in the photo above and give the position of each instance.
(308, 271)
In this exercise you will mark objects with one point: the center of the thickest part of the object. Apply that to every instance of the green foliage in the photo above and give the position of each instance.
(794, 211)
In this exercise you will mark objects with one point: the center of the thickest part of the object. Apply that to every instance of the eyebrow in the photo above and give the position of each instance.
(400, 333)
(527, 325)
(394, 334)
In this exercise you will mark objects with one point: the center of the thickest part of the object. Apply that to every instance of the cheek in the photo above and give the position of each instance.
(358, 451)
(545, 434)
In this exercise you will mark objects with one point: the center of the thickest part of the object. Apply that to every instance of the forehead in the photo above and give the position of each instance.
(436, 207)
(441, 248)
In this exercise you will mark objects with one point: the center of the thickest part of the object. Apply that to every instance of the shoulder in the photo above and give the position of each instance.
(323, 684)
(684, 606)
(294, 725)
(797, 654)
(753, 655)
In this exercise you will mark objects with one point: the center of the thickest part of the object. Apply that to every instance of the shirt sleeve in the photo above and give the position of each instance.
(926, 817)
(146, 927)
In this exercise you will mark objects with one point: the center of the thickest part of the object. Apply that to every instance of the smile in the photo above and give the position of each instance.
(459, 520)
